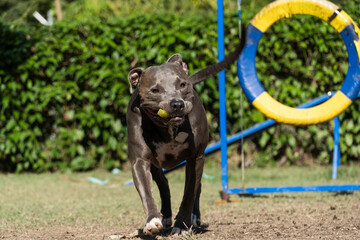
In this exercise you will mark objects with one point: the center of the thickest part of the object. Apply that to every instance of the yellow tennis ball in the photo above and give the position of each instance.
(162, 113)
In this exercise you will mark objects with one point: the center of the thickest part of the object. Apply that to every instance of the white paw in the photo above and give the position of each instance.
(166, 222)
(195, 221)
(153, 227)
(178, 231)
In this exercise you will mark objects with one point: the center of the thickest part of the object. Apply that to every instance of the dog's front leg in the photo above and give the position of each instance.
(194, 170)
(143, 183)
(163, 185)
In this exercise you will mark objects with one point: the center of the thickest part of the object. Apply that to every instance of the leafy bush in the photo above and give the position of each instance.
(63, 103)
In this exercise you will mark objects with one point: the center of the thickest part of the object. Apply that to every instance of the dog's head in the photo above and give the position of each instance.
(164, 87)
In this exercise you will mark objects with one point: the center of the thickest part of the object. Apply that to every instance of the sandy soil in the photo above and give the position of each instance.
(285, 216)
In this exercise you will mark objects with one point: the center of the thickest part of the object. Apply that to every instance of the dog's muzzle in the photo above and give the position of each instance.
(177, 106)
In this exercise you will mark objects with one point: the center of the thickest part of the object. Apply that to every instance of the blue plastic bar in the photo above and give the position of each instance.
(237, 136)
(316, 101)
(336, 150)
(320, 188)
(222, 98)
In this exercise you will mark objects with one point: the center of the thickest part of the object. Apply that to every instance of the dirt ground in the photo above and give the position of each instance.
(68, 206)
(285, 216)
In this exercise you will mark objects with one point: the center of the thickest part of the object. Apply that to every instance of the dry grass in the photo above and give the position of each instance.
(68, 206)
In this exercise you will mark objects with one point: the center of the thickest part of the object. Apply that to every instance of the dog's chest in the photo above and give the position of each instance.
(169, 154)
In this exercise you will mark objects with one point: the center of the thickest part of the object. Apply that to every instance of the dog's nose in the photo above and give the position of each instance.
(177, 105)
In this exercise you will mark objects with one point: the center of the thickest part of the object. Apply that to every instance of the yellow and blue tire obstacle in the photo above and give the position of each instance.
(255, 92)
(320, 110)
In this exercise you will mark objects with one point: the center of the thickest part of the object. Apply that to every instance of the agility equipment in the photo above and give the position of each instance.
(318, 110)
(255, 92)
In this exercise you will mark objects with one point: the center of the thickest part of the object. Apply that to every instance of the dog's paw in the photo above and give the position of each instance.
(166, 222)
(177, 231)
(180, 231)
(195, 220)
(153, 227)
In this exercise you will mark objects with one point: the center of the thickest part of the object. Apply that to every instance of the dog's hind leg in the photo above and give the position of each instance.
(162, 183)
(194, 169)
(195, 216)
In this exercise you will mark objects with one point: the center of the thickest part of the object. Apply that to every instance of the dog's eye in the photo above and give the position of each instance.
(182, 85)
(155, 90)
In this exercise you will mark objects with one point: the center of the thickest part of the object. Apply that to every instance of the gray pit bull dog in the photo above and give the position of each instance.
(156, 142)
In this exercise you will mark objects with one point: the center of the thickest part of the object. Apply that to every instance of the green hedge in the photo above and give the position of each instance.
(64, 88)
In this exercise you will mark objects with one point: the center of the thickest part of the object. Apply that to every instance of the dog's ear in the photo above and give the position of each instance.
(134, 77)
(176, 58)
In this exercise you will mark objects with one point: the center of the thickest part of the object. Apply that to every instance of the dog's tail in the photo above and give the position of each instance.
(209, 71)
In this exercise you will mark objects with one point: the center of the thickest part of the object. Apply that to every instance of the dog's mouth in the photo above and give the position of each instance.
(151, 111)
(172, 118)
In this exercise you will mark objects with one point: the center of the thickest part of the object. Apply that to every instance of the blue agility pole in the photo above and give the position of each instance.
(320, 188)
(222, 98)
(336, 150)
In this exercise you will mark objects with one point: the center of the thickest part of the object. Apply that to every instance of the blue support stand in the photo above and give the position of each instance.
(336, 151)
(224, 141)
(222, 98)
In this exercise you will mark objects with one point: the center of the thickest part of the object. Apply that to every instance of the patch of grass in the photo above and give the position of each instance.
(288, 176)
(43, 200)
(31, 200)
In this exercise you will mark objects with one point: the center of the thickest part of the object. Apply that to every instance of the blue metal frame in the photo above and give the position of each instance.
(321, 188)
(224, 141)
(336, 150)
(269, 123)
(222, 98)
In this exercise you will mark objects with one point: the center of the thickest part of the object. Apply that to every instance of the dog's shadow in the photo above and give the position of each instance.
(167, 233)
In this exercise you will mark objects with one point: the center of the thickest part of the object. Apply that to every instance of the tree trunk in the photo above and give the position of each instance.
(58, 9)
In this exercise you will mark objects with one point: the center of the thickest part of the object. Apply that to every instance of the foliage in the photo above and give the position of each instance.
(64, 89)
(14, 47)
(64, 107)
(20, 12)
